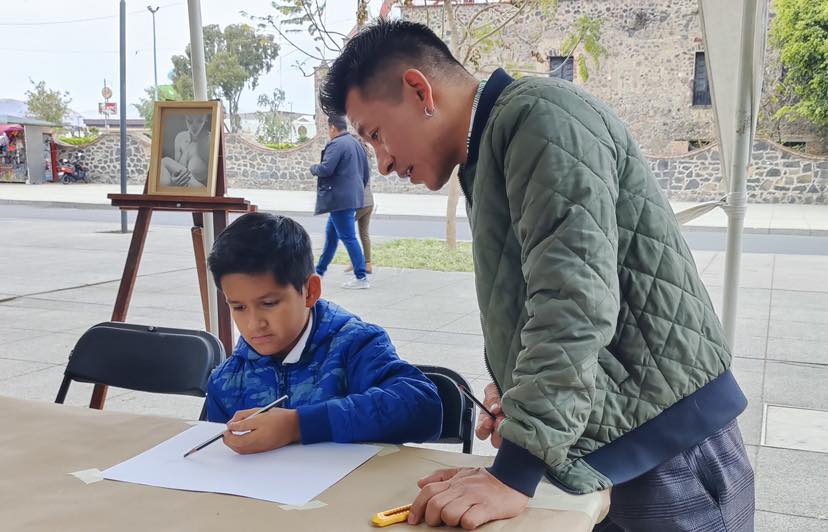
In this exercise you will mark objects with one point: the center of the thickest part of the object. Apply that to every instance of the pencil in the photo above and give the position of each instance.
(474, 399)
(219, 436)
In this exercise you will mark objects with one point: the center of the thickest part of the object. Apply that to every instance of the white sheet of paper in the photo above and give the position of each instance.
(290, 475)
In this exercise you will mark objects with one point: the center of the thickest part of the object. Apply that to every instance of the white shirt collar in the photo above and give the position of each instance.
(296, 353)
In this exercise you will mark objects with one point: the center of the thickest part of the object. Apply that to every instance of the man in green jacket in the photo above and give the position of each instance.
(609, 365)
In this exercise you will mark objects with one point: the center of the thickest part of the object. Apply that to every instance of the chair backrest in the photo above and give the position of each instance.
(144, 358)
(458, 411)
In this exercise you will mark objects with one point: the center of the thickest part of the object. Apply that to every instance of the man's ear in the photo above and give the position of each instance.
(313, 290)
(416, 81)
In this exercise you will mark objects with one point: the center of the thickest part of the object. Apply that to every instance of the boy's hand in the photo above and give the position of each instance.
(273, 429)
(486, 426)
(467, 497)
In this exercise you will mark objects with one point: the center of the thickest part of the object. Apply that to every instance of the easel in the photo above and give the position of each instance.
(220, 207)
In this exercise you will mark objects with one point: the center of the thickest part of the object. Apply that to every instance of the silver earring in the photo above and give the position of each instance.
(428, 113)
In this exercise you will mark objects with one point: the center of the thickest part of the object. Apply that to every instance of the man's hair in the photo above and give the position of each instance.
(263, 243)
(338, 121)
(378, 51)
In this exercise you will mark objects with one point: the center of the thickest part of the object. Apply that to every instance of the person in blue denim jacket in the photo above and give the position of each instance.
(342, 176)
(342, 376)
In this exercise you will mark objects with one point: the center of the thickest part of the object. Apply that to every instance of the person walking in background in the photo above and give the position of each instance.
(363, 215)
(341, 179)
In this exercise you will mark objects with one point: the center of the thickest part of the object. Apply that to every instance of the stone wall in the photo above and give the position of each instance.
(103, 157)
(249, 164)
(776, 175)
(647, 79)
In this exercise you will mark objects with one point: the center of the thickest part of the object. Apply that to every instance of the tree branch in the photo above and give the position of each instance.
(517, 12)
(474, 17)
(284, 36)
(320, 26)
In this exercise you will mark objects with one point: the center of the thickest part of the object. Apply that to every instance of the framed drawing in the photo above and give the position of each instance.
(185, 147)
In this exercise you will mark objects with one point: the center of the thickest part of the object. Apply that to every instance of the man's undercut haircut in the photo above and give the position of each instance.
(374, 60)
(260, 242)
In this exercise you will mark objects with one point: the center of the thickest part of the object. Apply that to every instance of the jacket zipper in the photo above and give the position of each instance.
(491, 373)
(460, 180)
(485, 356)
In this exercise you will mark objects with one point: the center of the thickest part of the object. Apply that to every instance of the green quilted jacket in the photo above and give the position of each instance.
(598, 330)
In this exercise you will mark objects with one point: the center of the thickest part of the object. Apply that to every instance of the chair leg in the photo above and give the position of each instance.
(203, 415)
(467, 443)
(64, 389)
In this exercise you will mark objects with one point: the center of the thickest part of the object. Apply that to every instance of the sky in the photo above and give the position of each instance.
(73, 46)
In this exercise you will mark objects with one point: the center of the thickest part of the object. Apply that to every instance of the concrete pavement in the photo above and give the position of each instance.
(760, 218)
(59, 279)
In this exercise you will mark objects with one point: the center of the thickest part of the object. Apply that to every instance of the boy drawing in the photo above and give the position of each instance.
(342, 376)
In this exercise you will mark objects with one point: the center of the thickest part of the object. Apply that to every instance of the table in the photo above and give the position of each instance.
(42, 443)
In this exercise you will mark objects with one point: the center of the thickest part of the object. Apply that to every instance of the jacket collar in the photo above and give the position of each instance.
(497, 82)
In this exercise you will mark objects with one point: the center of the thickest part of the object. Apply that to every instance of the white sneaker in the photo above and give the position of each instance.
(357, 284)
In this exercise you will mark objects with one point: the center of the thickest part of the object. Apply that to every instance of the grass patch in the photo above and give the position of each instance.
(78, 141)
(417, 254)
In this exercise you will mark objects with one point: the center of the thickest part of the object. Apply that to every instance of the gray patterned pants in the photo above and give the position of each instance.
(707, 488)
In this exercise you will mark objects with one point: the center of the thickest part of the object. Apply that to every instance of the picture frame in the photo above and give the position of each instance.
(185, 148)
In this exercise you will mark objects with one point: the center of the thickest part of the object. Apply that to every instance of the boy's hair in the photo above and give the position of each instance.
(263, 243)
(373, 58)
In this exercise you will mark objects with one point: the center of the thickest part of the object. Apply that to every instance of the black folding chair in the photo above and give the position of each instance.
(144, 358)
(458, 411)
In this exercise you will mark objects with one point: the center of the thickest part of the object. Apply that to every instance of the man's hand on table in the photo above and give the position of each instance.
(467, 497)
(273, 429)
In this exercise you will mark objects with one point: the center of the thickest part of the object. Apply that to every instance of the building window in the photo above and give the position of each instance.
(693, 145)
(560, 67)
(701, 87)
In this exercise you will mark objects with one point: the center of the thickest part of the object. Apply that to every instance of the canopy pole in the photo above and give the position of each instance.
(200, 93)
(737, 199)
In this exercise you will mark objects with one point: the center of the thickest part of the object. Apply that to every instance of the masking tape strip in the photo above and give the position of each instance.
(549, 497)
(88, 476)
(313, 505)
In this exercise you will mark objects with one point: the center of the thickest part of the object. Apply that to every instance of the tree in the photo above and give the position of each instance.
(800, 32)
(475, 37)
(46, 104)
(306, 16)
(274, 126)
(235, 58)
(146, 106)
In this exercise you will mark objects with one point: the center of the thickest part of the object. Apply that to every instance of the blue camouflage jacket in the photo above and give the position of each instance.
(349, 385)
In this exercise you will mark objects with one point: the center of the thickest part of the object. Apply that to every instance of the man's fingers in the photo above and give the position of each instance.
(454, 510)
(485, 426)
(438, 476)
(435, 505)
(490, 394)
(415, 515)
(475, 516)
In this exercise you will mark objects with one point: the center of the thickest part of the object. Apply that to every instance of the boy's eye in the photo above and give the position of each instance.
(237, 308)
(270, 303)
(375, 135)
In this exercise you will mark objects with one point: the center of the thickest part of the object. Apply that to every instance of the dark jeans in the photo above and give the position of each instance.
(341, 226)
(708, 487)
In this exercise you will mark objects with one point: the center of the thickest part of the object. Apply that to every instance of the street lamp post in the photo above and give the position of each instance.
(154, 57)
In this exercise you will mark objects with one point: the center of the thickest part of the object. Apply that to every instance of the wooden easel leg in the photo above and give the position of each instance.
(119, 313)
(201, 265)
(225, 332)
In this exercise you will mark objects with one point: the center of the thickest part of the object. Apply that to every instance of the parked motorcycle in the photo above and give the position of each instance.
(72, 170)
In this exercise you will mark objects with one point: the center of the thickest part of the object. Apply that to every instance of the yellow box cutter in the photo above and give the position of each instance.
(390, 517)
